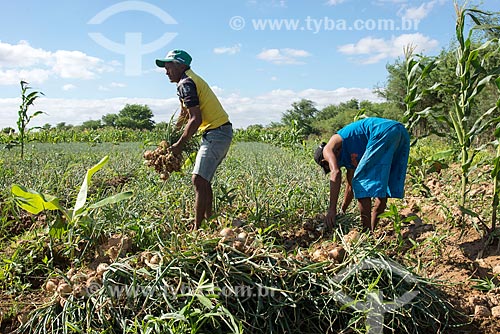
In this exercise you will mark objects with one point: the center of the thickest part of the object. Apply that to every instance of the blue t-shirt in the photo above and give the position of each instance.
(356, 135)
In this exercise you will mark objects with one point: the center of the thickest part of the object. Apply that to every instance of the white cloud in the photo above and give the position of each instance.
(75, 65)
(68, 87)
(283, 56)
(420, 12)
(391, 2)
(229, 50)
(217, 90)
(267, 3)
(117, 85)
(111, 86)
(13, 77)
(243, 110)
(21, 55)
(17, 62)
(269, 107)
(77, 111)
(334, 2)
(377, 49)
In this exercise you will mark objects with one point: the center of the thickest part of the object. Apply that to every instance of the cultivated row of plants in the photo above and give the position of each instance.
(164, 279)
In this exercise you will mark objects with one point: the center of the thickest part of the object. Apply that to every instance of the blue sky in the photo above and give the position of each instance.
(92, 57)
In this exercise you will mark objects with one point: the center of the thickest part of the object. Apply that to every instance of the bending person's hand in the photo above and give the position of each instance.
(330, 220)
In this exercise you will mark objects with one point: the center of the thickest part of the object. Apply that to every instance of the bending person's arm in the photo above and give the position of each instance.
(348, 193)
(330, 153)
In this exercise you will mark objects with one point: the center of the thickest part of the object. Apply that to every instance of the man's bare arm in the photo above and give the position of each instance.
(348, 193)
(192, 126)
(183, 118)
(330, 152)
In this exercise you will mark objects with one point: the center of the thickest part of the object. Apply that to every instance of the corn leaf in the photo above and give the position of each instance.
(112, 199)
(32, 201)
(81, 199)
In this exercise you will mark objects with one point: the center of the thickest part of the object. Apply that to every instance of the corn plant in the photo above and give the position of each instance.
(290, 136)
(28, 99)
(473, 76)
(495, 174)
(417, 69)
(392, 214)
(35, 202)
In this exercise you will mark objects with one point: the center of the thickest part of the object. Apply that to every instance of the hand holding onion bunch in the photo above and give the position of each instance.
(163, 160)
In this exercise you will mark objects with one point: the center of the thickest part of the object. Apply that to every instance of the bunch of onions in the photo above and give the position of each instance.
(163, 161)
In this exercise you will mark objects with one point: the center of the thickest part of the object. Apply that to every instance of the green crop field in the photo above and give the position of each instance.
(96, 219)
(262, 263)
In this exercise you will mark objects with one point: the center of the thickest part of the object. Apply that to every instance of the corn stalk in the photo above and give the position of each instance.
(496, 183)
(28, 99)
(495, 174)
(473, 77)
(417, 69)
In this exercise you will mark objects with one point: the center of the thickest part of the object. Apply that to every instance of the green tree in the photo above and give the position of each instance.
(109, 120)
(161, 126)
(8, 130)
(62, 126)
(91, 124)
(333, 117)
(303, 113)
(328, 112)
(135, 116)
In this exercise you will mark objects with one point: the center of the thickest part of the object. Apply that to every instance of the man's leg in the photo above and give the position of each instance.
(203, 199)
(208, 208)
(365, 208)
(214, 147)
(369, 217)
(378, 208)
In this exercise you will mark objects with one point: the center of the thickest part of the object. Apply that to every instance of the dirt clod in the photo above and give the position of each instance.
(481, 311)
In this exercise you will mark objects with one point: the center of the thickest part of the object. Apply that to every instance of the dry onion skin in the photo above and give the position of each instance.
(163, 161)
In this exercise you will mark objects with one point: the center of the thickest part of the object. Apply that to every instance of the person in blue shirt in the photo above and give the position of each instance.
(375, 153)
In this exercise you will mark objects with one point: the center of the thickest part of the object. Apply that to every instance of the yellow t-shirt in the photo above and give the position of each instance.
(193, 91)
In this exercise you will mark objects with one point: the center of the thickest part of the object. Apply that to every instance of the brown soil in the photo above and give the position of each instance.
(453, 249)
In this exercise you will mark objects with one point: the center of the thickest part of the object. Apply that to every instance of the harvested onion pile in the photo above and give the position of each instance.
(163, 161)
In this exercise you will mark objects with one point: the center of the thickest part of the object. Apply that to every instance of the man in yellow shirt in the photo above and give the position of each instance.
(202, 112)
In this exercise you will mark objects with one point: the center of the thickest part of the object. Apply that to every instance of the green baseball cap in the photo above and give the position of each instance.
(179, 56)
